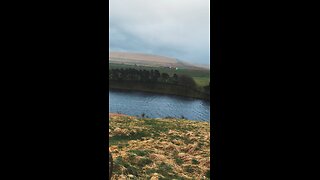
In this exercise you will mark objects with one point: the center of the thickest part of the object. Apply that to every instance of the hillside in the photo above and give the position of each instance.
(145, 148)
(149, 60)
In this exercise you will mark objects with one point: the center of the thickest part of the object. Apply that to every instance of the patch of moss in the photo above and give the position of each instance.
(124, 138)
(144, 161)
(178, 160)
(194, 161)
(208, 174)
(189, 169)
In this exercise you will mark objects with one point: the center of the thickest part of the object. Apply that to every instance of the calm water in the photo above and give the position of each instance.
(156, 106)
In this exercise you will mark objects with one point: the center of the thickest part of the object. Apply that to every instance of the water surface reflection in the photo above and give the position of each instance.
(158, 105)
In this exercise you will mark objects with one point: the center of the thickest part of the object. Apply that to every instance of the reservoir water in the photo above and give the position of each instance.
(158, 105)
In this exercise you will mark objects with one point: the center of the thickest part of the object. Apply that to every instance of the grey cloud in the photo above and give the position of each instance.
(175, 28)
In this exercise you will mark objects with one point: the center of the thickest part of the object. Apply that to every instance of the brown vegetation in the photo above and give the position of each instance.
(145, 148)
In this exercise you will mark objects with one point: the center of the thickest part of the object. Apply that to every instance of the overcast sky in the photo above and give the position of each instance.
(173, 28)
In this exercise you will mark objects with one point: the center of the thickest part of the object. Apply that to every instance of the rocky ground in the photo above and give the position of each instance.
(146, 148)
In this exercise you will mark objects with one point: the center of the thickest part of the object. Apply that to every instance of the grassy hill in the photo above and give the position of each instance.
(142, 59)
(151, 60)
(145, 148)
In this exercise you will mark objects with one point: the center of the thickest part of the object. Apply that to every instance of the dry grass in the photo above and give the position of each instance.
(159, 148)
(148, 60)
(141, 57)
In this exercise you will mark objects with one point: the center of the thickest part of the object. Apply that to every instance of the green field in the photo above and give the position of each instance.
(201, 77)
(202, 81)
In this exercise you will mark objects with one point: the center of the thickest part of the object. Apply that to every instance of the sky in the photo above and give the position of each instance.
(173, 28)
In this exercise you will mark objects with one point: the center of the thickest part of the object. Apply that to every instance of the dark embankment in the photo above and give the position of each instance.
(161, 88)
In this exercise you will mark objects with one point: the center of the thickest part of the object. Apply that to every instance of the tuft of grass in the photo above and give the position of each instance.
(124, 138)
(144, 161)
(165, 169)
(208, 174)
(178, 160)
(194, 161)
(140, 152)
(189, 169)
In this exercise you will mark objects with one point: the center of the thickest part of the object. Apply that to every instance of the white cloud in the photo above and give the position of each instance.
(177, 28)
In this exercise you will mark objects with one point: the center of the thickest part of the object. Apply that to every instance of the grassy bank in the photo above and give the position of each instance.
(159, 88)
(159, 148)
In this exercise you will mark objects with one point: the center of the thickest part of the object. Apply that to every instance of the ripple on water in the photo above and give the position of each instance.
(154, 105)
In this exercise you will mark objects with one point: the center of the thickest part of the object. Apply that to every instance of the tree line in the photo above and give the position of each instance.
(150, 76)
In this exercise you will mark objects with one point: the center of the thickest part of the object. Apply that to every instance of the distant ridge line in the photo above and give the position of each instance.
(149, 59)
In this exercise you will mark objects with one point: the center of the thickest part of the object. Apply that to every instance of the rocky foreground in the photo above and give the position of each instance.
(146, 148)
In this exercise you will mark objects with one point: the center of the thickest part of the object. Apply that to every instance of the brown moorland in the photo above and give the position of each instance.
(161, 148)
(150, 60)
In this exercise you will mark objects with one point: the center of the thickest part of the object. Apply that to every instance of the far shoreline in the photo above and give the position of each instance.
(156, 91)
